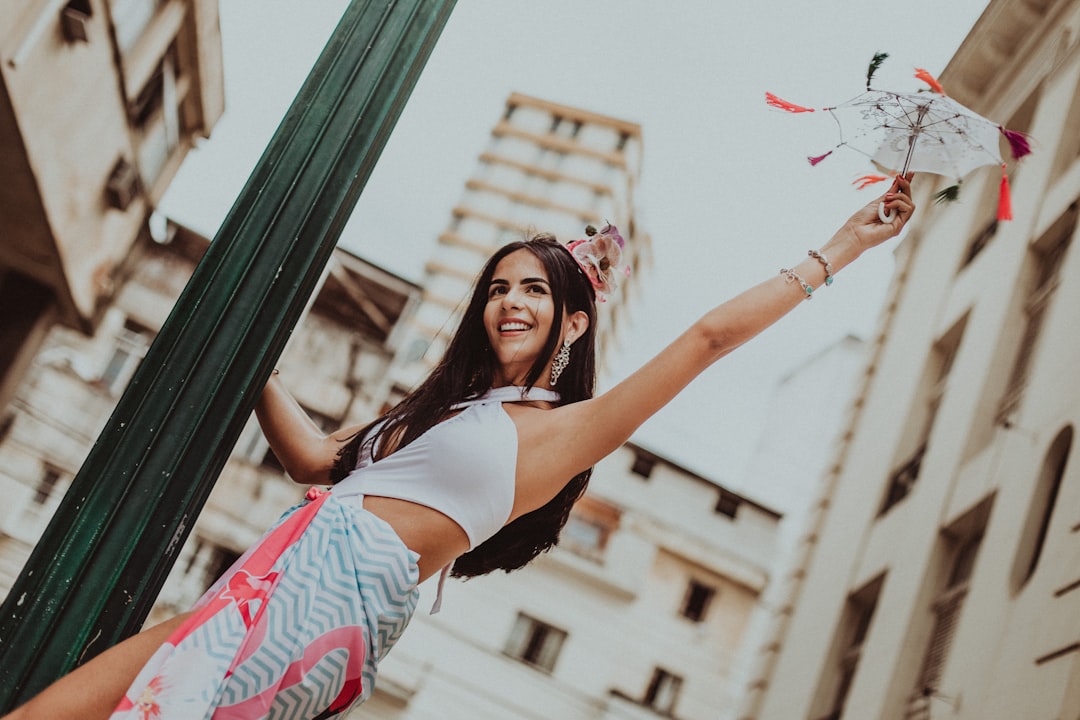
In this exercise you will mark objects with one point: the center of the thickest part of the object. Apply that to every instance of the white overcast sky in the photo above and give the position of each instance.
(726, 191)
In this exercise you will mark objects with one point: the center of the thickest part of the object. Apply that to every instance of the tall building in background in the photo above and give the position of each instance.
(100, 100)
(547, 168)
(940, 573)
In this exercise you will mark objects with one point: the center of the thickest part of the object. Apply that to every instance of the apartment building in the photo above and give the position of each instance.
(940, 574)
(100, 100)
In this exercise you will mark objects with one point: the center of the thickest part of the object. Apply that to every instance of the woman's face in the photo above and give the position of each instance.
(518, 316)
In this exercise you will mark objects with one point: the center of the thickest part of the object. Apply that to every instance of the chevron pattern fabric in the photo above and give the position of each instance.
(294, 630)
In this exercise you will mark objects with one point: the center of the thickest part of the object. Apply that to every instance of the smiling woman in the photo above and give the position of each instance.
(519, 318)
(476, 470)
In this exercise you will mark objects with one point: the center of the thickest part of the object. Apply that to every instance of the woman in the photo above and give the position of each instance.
(476, 470)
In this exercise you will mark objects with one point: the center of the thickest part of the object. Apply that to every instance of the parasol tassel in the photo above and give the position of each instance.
(1004, 197)
(776, 102)
(1019, 144)
(930, 80)
(815, 159)
(867, 181)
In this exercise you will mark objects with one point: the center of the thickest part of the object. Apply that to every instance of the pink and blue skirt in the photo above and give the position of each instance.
(294, 630)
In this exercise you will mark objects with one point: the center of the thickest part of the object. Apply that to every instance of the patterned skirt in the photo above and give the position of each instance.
(294, 630)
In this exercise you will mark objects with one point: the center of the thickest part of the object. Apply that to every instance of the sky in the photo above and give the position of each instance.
(726, 192)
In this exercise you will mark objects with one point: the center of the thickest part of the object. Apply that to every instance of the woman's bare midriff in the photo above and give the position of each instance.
(435, 537)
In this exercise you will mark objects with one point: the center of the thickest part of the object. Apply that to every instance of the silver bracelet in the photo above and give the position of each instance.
(792, 276)
(824, 263)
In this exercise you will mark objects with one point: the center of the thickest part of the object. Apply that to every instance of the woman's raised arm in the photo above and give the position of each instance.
(304, 450)
(576, 436)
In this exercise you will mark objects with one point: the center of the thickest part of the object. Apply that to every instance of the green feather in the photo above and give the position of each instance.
(949, 194)
(874, 65)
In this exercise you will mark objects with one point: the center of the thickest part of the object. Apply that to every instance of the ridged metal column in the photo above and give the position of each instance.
(96, 571)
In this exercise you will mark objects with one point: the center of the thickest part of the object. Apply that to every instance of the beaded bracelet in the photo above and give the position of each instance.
(793, 276)
(825, 263)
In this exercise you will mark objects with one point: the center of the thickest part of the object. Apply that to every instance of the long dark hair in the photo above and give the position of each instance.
(468, 369)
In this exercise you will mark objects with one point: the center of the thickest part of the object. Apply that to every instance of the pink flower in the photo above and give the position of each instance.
(601, 258)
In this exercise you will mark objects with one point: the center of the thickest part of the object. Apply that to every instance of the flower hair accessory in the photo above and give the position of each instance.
(600, 258)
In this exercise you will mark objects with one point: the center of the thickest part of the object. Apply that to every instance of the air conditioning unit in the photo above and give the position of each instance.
(123, 184)
(75, 20)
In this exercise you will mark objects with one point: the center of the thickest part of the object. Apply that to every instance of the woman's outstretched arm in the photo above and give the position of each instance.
(582, 433)
(304, 450)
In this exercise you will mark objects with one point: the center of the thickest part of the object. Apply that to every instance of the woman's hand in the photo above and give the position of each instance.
(867, 228)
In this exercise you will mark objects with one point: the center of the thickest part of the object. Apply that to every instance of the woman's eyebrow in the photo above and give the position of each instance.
(534, 280)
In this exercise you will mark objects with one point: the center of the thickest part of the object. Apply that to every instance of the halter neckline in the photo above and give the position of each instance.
(516, 393)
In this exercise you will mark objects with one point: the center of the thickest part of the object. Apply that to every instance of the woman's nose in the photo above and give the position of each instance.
(512, 298)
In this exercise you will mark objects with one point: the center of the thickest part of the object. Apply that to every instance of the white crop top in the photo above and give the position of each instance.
(464, 467)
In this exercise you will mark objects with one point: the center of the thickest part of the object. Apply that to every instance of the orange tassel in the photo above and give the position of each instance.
(930, 80)
(776, 102)
(867, 181)
(1004, 197)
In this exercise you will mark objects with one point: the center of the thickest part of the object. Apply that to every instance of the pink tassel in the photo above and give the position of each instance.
(1019, 144)
(867, 181)
(1004, 197)
(818, 158)
(776, 102)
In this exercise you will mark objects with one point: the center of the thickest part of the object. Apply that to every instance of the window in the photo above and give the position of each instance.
(1041, 509)
(6, 423)
(75, 20)
(979, 242)
(591, 524)
(50, 476)
(132, 342)
(1044, 266)
(728, 503)
(697, 600)
(663, 691)
(643, 464)
(946, 609)
(847, 649)
(920, 422)
(156, 120)
(535, 643)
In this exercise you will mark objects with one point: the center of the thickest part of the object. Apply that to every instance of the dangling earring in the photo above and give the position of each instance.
(562, 359)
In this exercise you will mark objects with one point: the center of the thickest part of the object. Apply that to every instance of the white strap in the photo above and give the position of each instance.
(511, 393)
(437, 605)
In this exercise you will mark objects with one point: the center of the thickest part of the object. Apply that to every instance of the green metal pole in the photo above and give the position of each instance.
(96, 571)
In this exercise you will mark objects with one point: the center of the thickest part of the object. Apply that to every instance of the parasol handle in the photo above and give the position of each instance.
(886, 216)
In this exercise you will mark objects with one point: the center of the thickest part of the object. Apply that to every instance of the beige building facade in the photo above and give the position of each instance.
(100, 100)
(939, 576)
